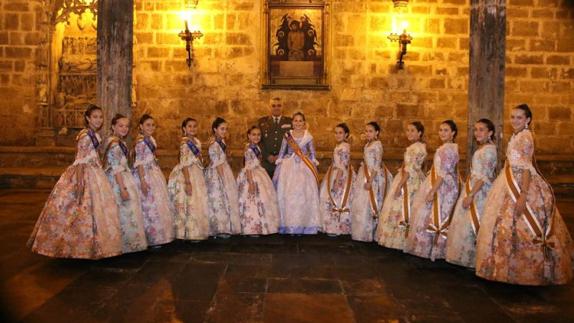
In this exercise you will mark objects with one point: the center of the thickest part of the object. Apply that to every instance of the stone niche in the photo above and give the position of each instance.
(69, 81)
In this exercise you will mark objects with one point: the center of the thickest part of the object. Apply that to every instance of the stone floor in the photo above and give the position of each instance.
(267, 279)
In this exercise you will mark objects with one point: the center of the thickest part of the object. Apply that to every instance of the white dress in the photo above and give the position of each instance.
(297, 188)
(258, 212)
(365, 208)
(190, 211)
(335, 195)
(222, 193)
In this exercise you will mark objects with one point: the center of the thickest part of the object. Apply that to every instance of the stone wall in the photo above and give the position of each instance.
(226, 77)
(19, 37)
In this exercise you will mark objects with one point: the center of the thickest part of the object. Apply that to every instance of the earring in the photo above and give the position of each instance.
(526, 126)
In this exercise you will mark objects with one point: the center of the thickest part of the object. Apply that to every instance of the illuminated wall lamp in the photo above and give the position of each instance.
(189, 36)
(404, 38)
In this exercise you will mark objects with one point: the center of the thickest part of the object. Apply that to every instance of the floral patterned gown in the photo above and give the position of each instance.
(80, 219)
(131, 218)
(190, 211)
(461, 242)
(365, 208)
(508, 248)
(335, 195)
(223, 204)
(427, 236)
(158, 219)
(258, 212)
(297, 188)
(395, 218)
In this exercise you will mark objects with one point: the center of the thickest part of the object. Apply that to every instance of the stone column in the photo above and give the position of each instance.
(115, 57)
(486, 79)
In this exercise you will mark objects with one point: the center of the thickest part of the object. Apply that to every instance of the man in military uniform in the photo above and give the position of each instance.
(273, 128)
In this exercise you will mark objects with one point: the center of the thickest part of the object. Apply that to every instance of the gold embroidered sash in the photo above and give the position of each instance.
(341, 208)
(293, 144)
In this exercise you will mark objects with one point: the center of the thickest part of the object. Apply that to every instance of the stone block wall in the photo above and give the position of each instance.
(540, 69)
(19, 37)
(225, 79)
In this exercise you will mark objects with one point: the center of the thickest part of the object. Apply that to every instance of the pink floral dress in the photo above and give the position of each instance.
(525, 250)
(131, 218)
(428, 233)
(258, 212)
(395, 218)
(158, 219)
(80, 218)
(335, 195)
(461, 243)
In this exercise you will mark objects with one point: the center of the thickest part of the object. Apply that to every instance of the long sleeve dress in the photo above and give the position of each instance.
(335, 195)
(533, 248)
(258, 212)
(158, 219)
(297, 187)
(190, 211)
(131, 217)
(366, 204)
(461, 242)
(428, 233)
(80, 218)
(395, 218)
(223, 204)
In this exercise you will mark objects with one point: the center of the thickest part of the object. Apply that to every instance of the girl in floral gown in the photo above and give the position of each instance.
(434, 202)
(80, 218)
(223, 204)
(258, 209)
(522, 238)
(158, 219)
(336, 188)
(187, 189)
(396, 216)
(125, 189)
(297, 181)
(461, 242)
(369, 190)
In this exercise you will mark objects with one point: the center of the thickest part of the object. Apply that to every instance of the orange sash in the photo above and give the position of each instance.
(342, 208)
(406, 211)
(374, 207)
(437, 226)
(541, 236)
(293, 144)
(474, 215)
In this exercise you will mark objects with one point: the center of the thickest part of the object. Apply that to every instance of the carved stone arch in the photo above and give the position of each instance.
(55, 115)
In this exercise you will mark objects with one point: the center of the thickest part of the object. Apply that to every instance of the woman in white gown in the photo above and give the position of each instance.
(297, 181)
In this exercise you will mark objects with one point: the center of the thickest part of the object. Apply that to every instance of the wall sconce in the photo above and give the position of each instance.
(404, 38)
(187, 35)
